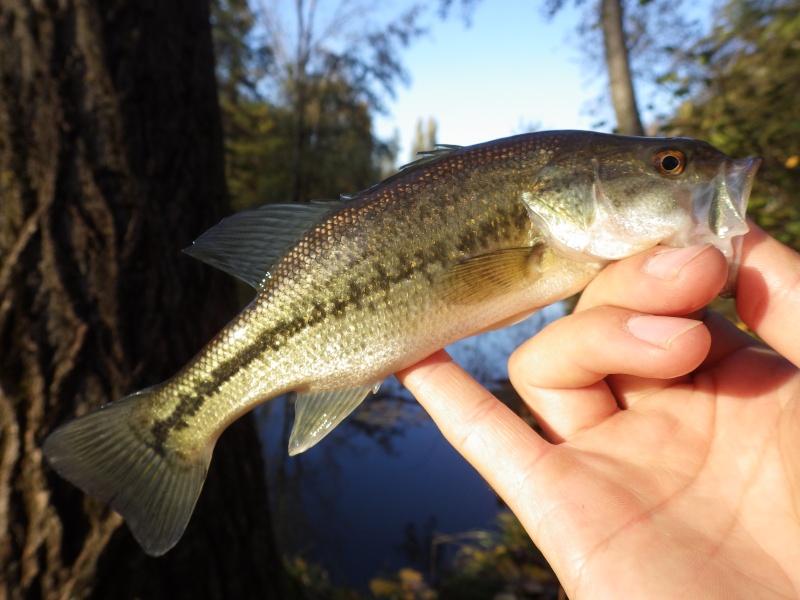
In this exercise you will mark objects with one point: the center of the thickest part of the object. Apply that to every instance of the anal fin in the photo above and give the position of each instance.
(318, 413)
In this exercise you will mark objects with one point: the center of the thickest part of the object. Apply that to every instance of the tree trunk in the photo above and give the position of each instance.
(619, 72)
(111, 162)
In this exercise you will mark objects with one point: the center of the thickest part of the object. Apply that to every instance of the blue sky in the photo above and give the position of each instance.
(511, 68)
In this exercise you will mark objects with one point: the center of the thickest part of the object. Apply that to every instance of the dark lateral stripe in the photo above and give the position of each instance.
(189, 403)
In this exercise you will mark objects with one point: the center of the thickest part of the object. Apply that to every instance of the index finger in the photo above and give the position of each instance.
(768, 294)
(500, 445)
(663, 281)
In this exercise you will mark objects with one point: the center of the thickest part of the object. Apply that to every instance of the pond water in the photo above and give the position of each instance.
(384, 490)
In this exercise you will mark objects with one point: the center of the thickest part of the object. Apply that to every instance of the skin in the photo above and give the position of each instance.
(672, 468)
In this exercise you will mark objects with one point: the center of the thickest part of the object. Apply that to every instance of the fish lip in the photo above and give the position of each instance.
(739, 177)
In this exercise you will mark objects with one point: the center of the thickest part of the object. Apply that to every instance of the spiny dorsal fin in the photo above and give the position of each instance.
(248, 243)
(427, 156)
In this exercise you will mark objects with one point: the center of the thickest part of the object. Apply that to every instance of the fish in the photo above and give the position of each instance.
(350, 291)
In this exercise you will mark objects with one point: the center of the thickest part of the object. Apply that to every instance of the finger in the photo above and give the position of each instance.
(663, 280)
(768, 292)
(565, 388)
(481, 428)
(740, 362)
(726, 337)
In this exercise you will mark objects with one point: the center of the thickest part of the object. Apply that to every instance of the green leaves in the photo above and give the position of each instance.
(298, 98)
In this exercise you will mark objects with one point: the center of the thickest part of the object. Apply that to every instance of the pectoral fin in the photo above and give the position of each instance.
(318, 413)
(488, 275)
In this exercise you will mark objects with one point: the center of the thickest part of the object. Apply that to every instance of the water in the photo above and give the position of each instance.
(375, 493)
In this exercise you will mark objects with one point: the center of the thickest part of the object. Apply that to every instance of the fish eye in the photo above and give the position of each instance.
(669, 162)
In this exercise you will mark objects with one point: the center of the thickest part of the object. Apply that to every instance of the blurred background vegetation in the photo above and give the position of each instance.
(300, 90)
(298, 114)
(299, 105)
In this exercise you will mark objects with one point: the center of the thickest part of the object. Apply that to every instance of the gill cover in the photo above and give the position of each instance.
(586, 219)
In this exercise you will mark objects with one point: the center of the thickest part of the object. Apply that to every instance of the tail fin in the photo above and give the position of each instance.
(107, 456)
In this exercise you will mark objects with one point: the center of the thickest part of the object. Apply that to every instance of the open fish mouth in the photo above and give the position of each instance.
(726, 218)
(718, 214)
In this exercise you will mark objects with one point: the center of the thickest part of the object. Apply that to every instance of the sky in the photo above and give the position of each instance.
(510, 69)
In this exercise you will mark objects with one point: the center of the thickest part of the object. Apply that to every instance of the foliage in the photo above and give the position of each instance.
(467, 9)
(341, 154)
(309, 581)
(500, 563)
(655, 31)
(744, 80)
(255, 151)
(298, 95)
(408, 584)
(241, 57)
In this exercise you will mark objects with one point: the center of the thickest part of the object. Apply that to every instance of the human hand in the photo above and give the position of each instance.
(673, 467)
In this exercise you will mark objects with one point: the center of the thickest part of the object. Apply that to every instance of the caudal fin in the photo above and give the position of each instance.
(107, 456)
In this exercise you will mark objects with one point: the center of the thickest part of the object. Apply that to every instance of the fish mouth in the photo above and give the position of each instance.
(726, 214)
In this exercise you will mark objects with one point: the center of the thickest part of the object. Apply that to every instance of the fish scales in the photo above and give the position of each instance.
(468, 239)
(368, 266)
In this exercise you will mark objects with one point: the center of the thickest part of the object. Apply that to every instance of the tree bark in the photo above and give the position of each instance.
(110, 162)
(619, 72)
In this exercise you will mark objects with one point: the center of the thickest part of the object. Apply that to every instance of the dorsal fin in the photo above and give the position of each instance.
(427, 156)
(248, 243)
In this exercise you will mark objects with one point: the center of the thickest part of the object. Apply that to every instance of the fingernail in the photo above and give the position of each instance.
(659, 331)
(667, 264)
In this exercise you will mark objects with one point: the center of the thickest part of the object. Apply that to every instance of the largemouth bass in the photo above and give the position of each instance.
(350, 291)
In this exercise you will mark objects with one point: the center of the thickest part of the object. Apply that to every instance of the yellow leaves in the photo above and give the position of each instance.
(383, 587)
(792, 162)
(409, 585)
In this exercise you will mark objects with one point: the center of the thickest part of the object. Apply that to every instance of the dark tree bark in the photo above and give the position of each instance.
(110, 162)
(619, 72)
